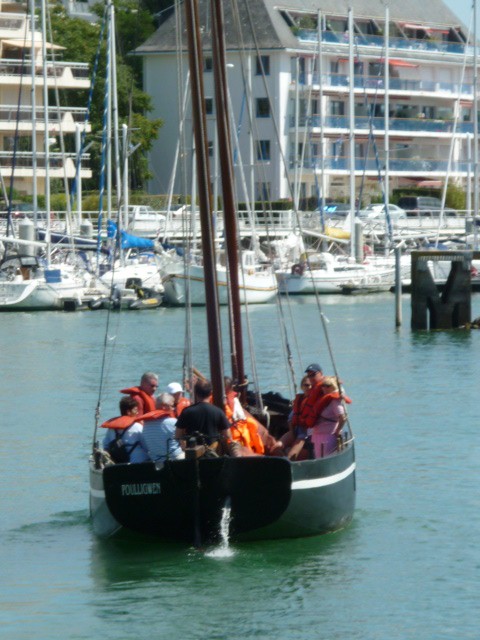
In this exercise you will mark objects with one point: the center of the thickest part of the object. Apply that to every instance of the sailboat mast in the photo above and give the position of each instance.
(195, 57)
(476, 201)
(351, 133)
(226, 168)
(34, 110)
(46, 129)
(386, 31)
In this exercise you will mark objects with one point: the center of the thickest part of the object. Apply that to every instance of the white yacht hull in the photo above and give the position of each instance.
(255, 288)
(28, 295)
(147, 274)
(335, 275)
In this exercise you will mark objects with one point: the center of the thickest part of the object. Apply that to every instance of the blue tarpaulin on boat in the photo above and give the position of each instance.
(53, 276)
(128, 241)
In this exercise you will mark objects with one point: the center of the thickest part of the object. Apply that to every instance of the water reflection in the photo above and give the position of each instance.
(136, 560)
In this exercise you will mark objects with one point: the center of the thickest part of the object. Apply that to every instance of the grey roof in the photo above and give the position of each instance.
(263, 17)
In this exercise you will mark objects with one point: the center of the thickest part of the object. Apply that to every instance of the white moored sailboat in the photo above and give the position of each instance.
(257, 283)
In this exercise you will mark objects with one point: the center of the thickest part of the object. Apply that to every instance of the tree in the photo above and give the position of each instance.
(81, 40)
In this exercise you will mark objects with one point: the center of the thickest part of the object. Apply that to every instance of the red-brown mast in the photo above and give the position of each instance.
(195, 56)
(226, 167)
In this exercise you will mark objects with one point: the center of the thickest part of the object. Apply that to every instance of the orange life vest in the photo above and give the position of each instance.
(297, 406)
(155, 415)
(182, 404)
(307, 412)
(147, 403)
(244, 431)
(120, 422)
(323, 402)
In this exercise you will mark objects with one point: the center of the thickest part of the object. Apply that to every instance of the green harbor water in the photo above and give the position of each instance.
(407, 568)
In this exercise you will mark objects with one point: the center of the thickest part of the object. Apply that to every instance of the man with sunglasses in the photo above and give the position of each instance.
(144, 393)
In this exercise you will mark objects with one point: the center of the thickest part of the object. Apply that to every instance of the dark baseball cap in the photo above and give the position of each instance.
(313, 368)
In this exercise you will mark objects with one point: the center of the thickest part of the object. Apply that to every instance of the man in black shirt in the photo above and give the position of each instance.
(203, 417)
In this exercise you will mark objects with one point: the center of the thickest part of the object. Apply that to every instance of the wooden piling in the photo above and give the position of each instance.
(398, 287)
(446, 307)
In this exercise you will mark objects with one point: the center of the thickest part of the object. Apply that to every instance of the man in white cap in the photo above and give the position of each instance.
(176, 390)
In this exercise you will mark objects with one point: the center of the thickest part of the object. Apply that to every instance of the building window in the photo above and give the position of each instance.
(207, 64)
(358, 68)
(263, 62)
(263, 108)
(263, 150)
(337, 108)
(262, 190)
(338, 149)
(209, 106)
(8, 143)
(210, 148)
(376, 69)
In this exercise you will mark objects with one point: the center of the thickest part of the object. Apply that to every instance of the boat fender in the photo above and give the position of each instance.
(96, 304)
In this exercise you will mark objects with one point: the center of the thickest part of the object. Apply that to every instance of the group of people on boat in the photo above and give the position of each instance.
(145, 429)
(157, 427)
(317, 417)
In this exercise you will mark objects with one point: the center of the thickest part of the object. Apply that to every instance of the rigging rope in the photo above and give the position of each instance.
(103, 368)
(105, 140)
(369, 108)
(10, 229)
(74, 187)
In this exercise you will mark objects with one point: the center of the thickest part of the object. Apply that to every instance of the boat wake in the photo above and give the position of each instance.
(61, 520)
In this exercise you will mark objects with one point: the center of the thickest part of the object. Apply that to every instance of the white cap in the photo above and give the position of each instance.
(174, 387)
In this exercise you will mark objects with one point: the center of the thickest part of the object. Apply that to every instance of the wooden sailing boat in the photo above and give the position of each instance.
(269, 497)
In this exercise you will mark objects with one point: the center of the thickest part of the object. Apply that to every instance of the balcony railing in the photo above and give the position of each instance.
(79, 70)
(395, 84)
(418, 125)
(395, 43)
(24, 159)
(12, 23)
(10, 113)
(342, 163)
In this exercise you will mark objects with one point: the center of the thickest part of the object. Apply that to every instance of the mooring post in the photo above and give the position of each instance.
(398, 287)
(358, 241)
(443, 305)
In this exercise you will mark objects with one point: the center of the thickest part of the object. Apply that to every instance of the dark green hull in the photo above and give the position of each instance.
(183, 500)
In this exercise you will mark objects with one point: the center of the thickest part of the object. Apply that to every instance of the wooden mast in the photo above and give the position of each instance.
(226, 167)
(195, 56)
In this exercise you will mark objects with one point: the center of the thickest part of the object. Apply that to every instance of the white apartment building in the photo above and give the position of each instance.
(339, 99)
(21, 86)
